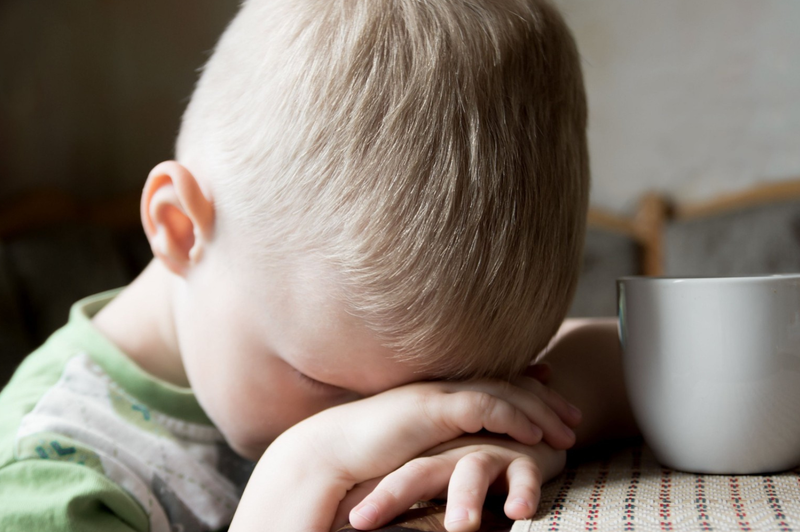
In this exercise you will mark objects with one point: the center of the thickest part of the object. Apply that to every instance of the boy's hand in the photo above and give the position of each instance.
(305, 474)
(412, 419)
(465, 469)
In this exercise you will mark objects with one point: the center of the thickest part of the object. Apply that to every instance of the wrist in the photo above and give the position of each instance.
(291, 488)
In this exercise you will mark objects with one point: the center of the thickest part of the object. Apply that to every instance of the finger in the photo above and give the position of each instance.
(566, 411)
(467, 491)
(524, 488)
(352, 499)
(504, 398)
(418, 480)
(476, 410)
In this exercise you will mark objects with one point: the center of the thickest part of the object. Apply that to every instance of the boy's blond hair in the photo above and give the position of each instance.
(432, 151)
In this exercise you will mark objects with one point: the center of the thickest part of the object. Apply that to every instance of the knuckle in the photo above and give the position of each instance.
(483, 402)
(478, 409)
(418, 467)
(534, 471)
(384, 496)
(426, 408)
(529, 466)
(464, 491)
(497, 415)
(482, 460)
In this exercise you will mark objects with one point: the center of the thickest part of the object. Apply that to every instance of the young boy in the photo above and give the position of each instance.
(373, 225)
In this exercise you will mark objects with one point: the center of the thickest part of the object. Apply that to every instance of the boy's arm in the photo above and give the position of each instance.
(303, 477)
(586, 362)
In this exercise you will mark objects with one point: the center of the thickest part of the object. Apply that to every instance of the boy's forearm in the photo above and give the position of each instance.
(289, 493)
(587, 370)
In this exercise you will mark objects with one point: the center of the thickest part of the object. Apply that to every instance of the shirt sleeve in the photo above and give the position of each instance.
(47, 496)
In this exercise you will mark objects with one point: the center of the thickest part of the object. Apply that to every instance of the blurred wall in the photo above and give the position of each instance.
(693, 98)
(688, 97)
(91, 92)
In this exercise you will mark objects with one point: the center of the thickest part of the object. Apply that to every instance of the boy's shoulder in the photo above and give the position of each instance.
(80, 420)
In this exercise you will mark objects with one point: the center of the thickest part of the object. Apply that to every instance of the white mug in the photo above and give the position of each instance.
(712, 370)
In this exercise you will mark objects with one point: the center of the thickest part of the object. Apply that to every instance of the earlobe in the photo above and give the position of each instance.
(177, 216)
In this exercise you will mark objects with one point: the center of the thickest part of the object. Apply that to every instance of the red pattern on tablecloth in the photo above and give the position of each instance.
(738, 504)
(594, 499)
(557, 508)
(775, 504)
(630, 496)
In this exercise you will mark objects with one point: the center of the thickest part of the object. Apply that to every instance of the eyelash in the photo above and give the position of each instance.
(314, 383)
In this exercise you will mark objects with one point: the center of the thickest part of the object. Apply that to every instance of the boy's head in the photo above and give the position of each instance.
(431, 154)
(405, 177)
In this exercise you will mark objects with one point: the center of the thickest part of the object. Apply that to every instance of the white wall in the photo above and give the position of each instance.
(689, 97)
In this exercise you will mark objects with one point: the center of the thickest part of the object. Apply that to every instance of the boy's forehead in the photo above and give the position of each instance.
(364, 372)
(309, 324)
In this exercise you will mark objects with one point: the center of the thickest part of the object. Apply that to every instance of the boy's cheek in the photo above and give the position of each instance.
(251, 421)
(249, 437)
(252, 452)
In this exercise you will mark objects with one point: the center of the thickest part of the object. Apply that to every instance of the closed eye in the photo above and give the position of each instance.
(318, 385)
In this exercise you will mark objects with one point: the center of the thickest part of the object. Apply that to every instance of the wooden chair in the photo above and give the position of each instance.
(753, 232)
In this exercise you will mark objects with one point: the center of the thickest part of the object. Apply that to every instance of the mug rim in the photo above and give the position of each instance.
(707, 279)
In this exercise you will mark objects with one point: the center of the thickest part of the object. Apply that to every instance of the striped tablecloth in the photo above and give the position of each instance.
(629, 491)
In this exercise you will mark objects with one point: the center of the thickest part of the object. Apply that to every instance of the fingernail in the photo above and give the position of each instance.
(456, 515)
(368, 512)
(575, 411)
(523, 509)
(569, 432)
(519, 501)
(537, 432)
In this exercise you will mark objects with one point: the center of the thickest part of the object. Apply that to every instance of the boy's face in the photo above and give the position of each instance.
(266, 348)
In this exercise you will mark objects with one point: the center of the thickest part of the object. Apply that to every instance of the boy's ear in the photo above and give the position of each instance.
(178, 217)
